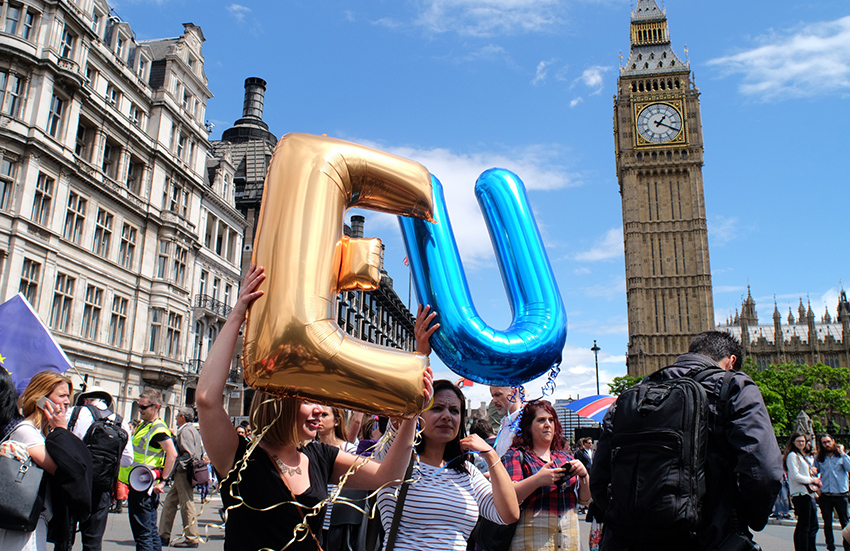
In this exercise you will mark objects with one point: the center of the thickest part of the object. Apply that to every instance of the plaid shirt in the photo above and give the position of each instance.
(547, 498)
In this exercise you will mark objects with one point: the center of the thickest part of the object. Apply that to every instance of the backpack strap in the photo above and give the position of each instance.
(72, 422)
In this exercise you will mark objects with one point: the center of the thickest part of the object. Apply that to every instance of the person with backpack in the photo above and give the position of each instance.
(687, 458)
(107, 436)
(189, 450)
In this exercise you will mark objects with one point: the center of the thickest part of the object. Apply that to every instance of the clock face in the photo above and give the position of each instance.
(659, 122)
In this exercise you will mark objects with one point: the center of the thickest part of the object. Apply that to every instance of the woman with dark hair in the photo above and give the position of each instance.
(448, 491)
(548, 481)
(272, 487)
(9, 416)
(800, 483)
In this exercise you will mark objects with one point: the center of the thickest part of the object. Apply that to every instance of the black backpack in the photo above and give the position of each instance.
(105, 440)
(660, 429)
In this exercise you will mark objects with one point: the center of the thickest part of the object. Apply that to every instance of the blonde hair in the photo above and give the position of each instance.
(42, 384)
(279, 414)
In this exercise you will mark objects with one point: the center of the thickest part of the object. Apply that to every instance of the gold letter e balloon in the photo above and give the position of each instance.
(292, 343)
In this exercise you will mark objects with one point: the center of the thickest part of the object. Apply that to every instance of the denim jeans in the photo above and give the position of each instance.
(142, 509)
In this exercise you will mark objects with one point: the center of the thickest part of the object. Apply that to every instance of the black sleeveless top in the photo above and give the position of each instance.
(259, 486)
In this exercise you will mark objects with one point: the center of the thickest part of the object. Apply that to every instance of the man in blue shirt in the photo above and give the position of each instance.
(833, 465)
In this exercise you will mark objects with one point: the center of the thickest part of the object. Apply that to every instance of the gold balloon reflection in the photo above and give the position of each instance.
(292, 343)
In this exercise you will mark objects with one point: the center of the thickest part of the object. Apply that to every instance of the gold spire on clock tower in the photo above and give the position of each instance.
(659, 156)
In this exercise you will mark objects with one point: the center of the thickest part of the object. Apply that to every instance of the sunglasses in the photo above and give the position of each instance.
(143, 408)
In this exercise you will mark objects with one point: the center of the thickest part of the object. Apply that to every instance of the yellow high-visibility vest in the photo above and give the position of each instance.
(142, 452)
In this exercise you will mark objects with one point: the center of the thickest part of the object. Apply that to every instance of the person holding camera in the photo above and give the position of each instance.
(548, 482)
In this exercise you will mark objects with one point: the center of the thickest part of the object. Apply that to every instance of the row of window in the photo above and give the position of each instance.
(165, 326)
(61, 309)
(21, 20)
(220, 238)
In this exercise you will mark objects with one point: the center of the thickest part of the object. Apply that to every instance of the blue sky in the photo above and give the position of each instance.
(466, 85)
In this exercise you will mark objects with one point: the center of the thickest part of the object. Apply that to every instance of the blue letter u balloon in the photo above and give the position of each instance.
(535, 339)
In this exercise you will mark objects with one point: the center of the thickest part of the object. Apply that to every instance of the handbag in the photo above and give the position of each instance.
(492, 536)
(199, 472)
(21, 494)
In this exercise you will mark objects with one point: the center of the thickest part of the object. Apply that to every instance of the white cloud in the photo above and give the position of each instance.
(722, 229)
(808, 61)
(488, 17)
(728, 289)
(541, 73)
(537, 166)
(613, 289)
(608, 247)
(388, 22)
(576, 101)
(592, 77)
(488, 52)
(238, 12)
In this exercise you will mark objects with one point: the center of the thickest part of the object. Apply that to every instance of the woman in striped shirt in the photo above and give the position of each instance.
(443, 504)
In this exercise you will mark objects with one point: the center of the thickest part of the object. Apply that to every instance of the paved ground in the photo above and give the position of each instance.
(777, 536)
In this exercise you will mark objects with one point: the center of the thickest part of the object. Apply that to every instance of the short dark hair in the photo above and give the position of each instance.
(481, 427)
(718, 345)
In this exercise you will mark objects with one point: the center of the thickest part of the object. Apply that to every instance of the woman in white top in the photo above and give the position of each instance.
(799, 481)
(443, 504)
(30, 434)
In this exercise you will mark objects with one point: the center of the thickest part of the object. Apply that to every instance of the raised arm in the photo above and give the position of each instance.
(504, 496)
(219, 435)
(374, 474)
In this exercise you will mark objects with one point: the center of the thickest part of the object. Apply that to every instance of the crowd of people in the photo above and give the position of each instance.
(305, 476)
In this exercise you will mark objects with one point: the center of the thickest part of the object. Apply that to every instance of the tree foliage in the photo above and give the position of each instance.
(619, 384)
(819, 390)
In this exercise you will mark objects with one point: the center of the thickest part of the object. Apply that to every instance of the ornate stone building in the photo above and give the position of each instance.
(659, 158)
(802, 340)
(108, 220)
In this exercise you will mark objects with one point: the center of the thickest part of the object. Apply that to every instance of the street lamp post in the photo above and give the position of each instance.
(596, 350)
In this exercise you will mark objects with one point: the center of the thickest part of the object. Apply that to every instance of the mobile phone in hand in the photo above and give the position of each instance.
(44, 400)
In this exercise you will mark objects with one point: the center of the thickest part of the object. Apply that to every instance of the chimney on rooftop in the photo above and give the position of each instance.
(255, 93)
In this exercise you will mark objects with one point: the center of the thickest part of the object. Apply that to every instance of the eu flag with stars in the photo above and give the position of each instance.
(26, 345)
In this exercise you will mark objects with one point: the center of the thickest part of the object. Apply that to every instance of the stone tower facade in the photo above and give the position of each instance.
(659, 157)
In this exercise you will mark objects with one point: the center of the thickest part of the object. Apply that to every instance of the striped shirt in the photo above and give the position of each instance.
(440, 509)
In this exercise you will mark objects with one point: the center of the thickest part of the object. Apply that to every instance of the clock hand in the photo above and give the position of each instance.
(667, 125)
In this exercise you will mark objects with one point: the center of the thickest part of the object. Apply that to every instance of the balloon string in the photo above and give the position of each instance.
(302, 529)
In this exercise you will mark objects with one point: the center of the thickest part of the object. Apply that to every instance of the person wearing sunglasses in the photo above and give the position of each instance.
(153, 447)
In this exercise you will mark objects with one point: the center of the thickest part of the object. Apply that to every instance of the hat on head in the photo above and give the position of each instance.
(94, 392)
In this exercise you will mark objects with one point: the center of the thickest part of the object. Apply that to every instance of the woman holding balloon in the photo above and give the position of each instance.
(447, 491)
(271, 488)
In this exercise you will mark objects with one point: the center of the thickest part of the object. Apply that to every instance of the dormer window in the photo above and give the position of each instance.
(119, 47)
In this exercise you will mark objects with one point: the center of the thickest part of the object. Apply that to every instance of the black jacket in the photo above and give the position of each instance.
(743, 463)
(70, 485)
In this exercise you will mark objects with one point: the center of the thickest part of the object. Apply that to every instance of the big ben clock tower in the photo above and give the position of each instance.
(659, 149)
